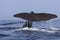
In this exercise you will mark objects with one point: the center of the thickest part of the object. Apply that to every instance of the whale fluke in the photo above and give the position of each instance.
(31, 17)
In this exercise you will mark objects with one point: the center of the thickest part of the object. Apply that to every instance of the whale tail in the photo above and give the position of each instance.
(27, 24)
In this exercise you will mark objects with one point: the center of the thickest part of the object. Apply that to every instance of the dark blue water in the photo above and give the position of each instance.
(8, 30)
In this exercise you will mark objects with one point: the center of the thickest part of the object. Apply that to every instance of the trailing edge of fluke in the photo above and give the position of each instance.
(35, 16)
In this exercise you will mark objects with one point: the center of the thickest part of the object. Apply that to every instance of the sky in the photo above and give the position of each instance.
(10, 7)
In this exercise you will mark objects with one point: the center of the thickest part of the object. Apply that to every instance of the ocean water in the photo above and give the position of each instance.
(8, 30)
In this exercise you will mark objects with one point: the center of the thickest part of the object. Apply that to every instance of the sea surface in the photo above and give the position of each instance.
(8, 30)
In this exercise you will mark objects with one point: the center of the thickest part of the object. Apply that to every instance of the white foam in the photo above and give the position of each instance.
(54, 28)
(32, 29)
(49, 30)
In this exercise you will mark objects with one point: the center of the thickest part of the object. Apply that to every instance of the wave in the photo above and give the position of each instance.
(48, 30)
(3, 35)
(9, 28)
(41, 31)
(10, 23)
